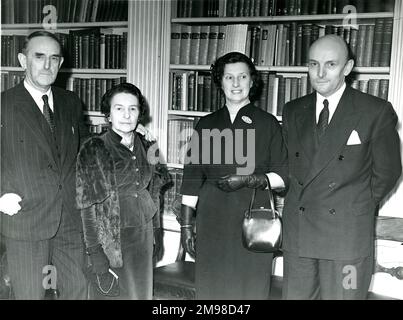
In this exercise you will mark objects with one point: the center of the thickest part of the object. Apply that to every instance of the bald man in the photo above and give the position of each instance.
(344, 158)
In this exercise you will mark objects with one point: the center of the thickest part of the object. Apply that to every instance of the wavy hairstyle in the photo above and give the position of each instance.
(217, 70)
(122, 88)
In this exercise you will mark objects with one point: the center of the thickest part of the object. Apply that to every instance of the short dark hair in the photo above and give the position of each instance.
(217, 70)
(41, 33)
(124, 87)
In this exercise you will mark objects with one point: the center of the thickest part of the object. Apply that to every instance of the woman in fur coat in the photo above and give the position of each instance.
(118, 194)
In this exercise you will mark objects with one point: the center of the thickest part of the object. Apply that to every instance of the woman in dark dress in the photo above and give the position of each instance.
(118, 194)
(232, 151)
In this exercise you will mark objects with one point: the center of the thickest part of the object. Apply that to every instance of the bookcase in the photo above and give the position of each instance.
(93, 34)
(276, 34)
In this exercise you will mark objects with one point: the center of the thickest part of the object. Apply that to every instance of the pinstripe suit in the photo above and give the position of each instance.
(41, 169)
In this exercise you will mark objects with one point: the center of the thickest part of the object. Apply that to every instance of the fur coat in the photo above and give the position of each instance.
(97, 194)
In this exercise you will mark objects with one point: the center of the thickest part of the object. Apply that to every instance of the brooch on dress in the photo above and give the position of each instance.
(246, 119)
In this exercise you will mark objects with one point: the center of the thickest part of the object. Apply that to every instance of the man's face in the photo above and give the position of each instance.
(42, 61)
(328, 67)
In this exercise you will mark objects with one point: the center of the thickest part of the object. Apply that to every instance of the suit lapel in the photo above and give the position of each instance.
(305, 120)
(342, 123)
(29, 113)
(63, 123)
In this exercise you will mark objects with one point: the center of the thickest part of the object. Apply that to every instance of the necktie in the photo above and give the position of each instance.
(323, 119)
(47, 113)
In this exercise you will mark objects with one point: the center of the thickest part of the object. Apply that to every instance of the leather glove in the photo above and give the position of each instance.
(235, 182)
(158, 250)
(98, 259)
(187, 235)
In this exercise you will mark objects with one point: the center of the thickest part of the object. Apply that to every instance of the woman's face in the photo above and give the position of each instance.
(236, 83)
(125, 112)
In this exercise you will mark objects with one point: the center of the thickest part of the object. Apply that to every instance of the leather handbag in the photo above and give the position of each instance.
(262, 227)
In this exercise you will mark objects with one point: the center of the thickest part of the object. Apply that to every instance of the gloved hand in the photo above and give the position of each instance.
(235, 182)
(187, 234)
(158, 250)
(99, 260)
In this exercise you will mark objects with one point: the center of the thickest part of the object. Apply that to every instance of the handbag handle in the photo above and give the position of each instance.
(271, 198)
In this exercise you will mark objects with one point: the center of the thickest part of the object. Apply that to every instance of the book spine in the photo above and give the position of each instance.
(386, 43)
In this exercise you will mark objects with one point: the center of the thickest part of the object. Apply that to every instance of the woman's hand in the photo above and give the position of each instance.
(145, 132)
(235, 182)
(99, 260)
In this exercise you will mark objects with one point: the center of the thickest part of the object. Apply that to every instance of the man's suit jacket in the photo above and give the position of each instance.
(335, 188)
(41, 171)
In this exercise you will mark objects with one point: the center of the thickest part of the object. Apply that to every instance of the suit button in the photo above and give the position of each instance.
(60, 187)
(297, 154)
(301, 209)
(332, 211)
(134, 157)
(341, 157)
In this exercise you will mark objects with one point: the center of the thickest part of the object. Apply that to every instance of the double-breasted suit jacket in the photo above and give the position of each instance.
(335, 187)
(41, 171)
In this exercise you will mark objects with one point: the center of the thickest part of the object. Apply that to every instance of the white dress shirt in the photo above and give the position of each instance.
(37, 96)
(334, 100)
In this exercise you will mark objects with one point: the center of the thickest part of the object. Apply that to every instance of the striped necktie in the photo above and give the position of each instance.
(323, 121)
(48, 113)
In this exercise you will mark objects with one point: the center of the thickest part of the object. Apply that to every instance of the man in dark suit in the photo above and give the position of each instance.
(344, 158)
(41, 130)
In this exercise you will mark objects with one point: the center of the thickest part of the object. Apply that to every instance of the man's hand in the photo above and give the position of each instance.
(235, 182)
(145, 132)
(9, 203)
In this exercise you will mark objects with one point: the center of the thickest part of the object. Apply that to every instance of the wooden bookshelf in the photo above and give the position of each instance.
(294, 69)
(65, 25)
(82, 52)
(276, 19)
(95, 72)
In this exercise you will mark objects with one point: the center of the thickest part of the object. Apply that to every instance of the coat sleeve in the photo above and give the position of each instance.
(385, 151)
(159, 181)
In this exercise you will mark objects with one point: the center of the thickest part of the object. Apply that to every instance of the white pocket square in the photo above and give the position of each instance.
(354, 138)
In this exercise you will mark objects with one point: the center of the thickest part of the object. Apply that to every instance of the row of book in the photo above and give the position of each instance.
(179, 133)
(194, 91)
(250, 8)
(10, 79)
(284, 44)
(37, 11)
(87, 50)
(97, 128)
(375, 87)
(91, 90)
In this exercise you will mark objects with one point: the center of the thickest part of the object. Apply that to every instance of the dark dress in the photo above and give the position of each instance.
(135, 182)
(224, 268)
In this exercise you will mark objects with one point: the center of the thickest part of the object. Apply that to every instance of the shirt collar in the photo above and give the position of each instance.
(37, 95)
(334, 100)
